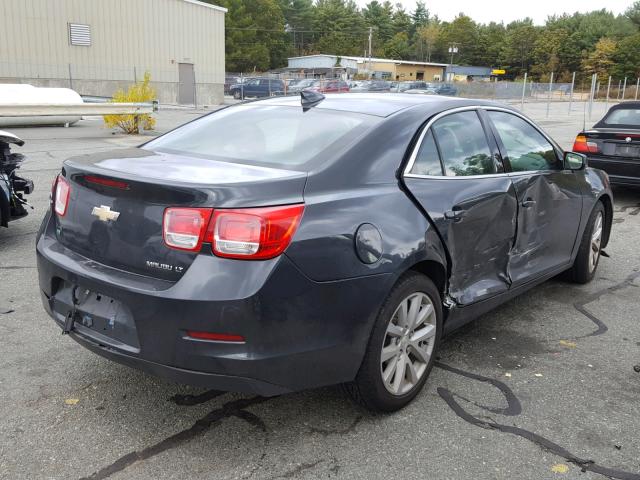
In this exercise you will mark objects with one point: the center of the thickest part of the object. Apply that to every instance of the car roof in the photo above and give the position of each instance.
(633, 104)
(370, 103)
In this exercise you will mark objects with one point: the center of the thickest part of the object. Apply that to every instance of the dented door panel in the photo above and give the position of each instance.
(549, 212)
(476, 218)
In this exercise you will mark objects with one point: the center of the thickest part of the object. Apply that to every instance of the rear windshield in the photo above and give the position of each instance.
(265, 135)
(623, 116)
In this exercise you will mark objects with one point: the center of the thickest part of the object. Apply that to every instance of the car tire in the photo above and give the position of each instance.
(236, 94)
(388, 385)
(586, 262)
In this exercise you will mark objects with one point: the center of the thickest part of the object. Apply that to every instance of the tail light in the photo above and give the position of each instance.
(247, 233)
(61, 192)
(184, 228)
(253, 233)
(583, 145)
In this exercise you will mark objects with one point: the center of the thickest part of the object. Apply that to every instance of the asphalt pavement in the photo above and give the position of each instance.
(541, 388)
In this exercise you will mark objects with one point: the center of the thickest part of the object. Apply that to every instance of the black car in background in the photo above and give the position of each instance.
(291, 243)
(257, 87)
(613, 144)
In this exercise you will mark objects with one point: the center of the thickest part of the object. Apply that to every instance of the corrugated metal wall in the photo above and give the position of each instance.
(152, 35)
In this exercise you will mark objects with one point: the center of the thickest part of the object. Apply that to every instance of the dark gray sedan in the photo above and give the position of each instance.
(280, 245)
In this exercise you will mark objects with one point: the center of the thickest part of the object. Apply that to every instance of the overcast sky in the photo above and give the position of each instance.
(492, 10)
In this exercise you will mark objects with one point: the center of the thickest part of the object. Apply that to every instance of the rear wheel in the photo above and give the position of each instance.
(586, 262)
(402, 347)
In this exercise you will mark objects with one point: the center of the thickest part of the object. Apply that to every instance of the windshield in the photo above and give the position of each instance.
(623, 116)
(264, 135)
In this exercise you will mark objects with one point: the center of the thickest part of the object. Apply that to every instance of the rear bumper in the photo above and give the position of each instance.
(181, 375)
(621, 171)
(624, 181)
(299, 333)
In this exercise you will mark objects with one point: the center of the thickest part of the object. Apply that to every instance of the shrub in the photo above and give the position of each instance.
(137, 93)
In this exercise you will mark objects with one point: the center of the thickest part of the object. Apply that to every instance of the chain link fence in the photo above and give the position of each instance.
(524, 91)
(205, 87)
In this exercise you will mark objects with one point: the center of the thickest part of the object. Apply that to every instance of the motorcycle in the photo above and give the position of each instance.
(12, 187)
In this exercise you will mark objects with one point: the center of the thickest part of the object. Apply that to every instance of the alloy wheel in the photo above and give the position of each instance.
(596, 240)
(408, 343)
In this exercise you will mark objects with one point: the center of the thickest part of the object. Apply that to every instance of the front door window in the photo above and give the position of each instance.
(527, 149)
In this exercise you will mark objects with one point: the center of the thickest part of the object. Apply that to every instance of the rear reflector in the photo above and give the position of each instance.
(583, 145)
(215, 337)
(253, 233)
(184, 228)
(107, 182)
(61, 196)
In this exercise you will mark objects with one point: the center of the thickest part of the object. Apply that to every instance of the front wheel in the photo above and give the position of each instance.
(402, 347)
(586, 262)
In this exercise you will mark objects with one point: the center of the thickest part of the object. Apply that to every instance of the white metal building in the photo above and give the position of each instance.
(386, 68)
(98, 46)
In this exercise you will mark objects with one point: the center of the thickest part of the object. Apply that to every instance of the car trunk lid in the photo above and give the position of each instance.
(615, 142)
(117, 202)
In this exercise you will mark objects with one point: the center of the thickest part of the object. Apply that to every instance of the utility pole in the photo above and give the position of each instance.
(573, 83)
(452, 50)
(370, 39)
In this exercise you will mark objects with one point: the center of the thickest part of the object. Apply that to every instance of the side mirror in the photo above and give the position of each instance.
(574, 161)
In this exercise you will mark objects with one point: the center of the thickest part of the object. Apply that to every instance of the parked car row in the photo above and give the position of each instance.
(257, 87)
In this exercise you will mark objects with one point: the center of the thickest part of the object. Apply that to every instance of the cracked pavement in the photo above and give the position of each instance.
(541, 388)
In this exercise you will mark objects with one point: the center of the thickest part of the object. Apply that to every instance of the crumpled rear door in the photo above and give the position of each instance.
(476, 218)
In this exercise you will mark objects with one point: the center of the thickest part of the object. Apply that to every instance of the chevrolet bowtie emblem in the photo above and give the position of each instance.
(104, 213)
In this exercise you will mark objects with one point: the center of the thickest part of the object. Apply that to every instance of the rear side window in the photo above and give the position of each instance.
(623, 116)
(463, 145)
(527, 149)
(427, 159)
(275, 136)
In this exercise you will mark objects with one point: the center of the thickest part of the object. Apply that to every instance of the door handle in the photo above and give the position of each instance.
(529, 202)
(455, 215)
